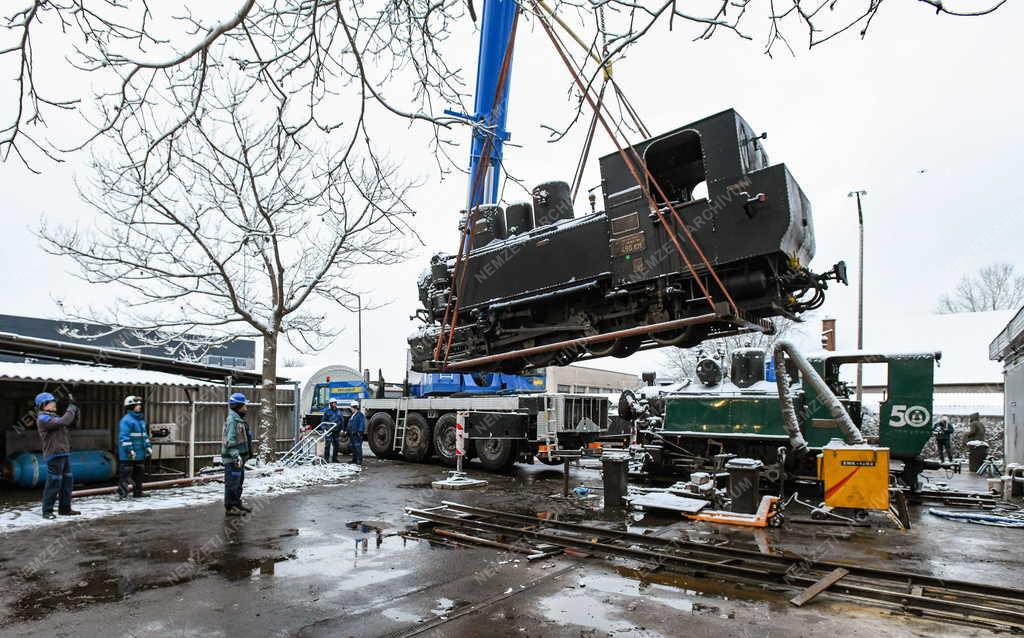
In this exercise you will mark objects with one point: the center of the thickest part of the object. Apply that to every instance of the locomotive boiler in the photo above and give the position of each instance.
(707, 238)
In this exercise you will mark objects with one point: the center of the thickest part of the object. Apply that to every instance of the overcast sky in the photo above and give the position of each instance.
(923, 92)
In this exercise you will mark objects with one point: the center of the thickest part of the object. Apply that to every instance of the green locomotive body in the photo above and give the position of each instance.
(742, 416)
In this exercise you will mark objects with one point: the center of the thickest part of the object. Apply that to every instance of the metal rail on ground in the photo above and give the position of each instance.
(918, 594)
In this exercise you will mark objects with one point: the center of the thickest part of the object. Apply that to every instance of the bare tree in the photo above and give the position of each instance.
(997, 286)
(681, 363)
(230, 228)
(325, 63)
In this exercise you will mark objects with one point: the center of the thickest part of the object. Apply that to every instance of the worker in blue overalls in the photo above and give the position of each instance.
(235, 449)
(53, 430)
(356, 430)
(332, 421)
(133, 448)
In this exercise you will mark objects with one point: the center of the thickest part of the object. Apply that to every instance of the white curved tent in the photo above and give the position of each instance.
(309, 376)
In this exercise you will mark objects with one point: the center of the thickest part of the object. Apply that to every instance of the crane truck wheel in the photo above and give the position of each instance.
(380, 433)
(444, 440)
(496, 454)
(417, 438)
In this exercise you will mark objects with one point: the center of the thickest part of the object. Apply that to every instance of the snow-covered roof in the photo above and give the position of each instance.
(963, 339)
(74, 373)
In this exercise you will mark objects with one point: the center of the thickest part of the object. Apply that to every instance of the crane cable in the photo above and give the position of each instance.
(650, 179)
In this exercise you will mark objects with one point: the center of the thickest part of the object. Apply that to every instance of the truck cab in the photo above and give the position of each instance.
(340, 391)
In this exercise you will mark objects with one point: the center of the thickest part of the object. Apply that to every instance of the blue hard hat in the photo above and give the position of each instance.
(238, 399)
(43, 398)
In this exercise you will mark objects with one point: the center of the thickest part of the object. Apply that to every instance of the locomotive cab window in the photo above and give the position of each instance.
(676, 161)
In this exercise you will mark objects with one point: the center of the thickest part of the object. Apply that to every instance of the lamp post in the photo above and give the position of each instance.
(359, 319)
(860, 290)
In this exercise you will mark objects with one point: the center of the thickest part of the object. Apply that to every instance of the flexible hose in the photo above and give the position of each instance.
(811, 381)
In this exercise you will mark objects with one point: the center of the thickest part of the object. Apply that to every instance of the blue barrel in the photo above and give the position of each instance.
(28, 469)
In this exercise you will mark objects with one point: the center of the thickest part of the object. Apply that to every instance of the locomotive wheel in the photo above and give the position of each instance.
(496, 454)
(619, 348)
(380, 433)
(605, 349)
(444, 439)
(416, 447)
(627, 347)
(687, 337)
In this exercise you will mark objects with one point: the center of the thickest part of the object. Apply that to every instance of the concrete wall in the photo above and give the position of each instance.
(588, 380)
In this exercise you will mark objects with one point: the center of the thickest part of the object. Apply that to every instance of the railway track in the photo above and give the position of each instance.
(977, 604)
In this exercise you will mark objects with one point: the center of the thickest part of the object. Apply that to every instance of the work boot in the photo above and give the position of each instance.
(234, 511)
(247, 510)
(71, 513)
(49, 515)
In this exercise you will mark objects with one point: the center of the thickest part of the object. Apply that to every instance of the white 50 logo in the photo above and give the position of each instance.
(915, 416)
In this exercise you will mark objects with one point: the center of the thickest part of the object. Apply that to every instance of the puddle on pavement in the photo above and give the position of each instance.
(97, 586)
(616, 600)
(368, 526)
(242, 569)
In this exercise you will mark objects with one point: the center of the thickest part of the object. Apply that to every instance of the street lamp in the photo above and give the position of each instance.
(359, 315)
(860, 291)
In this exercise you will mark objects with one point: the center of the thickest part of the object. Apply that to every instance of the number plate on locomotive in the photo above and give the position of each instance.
(627, 245)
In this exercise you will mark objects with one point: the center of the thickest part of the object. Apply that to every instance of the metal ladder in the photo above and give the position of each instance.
(401, 418)
(304, 450)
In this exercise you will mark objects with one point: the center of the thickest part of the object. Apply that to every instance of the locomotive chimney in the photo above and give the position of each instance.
(828, 334)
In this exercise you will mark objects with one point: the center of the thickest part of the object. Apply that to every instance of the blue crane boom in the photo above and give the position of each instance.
(491, 101)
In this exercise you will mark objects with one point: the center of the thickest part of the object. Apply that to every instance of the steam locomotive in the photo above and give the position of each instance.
(536, 275)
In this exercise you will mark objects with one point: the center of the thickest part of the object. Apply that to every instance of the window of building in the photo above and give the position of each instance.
(564, 388)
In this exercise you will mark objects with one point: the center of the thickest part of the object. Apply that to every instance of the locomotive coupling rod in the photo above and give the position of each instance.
(579, 342)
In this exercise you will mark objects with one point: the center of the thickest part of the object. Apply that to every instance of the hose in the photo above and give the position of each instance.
(812, 381)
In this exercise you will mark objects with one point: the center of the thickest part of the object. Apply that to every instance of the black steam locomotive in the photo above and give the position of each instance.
(536, 275)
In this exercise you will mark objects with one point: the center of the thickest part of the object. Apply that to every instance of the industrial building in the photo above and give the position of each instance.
(583, 380)
(184, 403)
(1008, 348)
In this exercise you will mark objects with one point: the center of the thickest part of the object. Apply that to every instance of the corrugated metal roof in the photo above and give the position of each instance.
(71, 373)
(1010, 340)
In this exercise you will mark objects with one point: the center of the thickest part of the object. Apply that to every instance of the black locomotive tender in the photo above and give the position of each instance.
(535, 274)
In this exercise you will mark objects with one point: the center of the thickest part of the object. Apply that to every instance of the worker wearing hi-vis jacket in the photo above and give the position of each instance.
(331, 423)
(236, 448)
(133, 448)
(356, 430)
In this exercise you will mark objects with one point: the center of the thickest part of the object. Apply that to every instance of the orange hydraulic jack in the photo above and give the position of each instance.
(767, 514)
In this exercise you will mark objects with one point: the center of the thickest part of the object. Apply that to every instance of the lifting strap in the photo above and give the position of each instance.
(648, 179)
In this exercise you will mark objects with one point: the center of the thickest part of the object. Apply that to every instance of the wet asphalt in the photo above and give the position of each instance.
(329, 561)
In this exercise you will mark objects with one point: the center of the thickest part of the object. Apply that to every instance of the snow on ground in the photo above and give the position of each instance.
(262, 482)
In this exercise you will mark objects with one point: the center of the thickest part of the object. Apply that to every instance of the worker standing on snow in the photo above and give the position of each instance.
(331, 422)
(944, 439)
(236, 448)
(356, 430)
(57, 453)
(134, 448)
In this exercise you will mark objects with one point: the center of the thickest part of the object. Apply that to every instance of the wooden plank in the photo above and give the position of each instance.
(821, 585)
